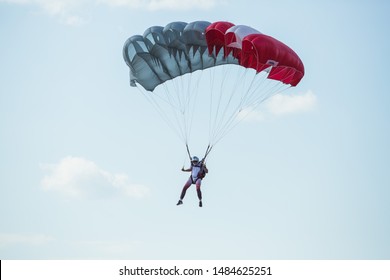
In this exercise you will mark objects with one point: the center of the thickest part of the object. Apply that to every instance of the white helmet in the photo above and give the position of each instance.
(195, 159)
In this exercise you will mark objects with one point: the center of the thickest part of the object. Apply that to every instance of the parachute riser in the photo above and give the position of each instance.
(207, 152)
(188, 151)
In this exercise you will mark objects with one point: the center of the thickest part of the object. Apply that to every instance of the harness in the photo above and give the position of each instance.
(201, 174)
(192, 180)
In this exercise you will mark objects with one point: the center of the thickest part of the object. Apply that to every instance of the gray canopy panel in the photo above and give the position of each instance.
(163, 53)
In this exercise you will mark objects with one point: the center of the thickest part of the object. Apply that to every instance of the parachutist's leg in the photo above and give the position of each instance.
(198, 191)
(185, 188)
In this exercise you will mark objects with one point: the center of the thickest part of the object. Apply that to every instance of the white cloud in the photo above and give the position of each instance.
(25, 239)
(181, 4)
(68, 11)
(250, 115)
(111, 249)
(155, 5)
(78, 177)
(281, 104)
(286, 104)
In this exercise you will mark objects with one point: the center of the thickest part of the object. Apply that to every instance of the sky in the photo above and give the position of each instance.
(88, 170)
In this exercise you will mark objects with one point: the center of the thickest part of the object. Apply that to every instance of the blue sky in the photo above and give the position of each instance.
(88, 170)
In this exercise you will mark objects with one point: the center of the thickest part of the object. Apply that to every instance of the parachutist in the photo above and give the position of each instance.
(198, 171)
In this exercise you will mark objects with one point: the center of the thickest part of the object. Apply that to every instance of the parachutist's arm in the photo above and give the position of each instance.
(186, 170)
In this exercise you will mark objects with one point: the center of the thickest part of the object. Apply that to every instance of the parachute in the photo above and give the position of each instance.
(210, 73)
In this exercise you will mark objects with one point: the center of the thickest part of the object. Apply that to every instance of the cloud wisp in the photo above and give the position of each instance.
(69, 12)
(77, 177)
(280, 105)
(7, 239)
(283, 104)
(157, 5)
(72, 12)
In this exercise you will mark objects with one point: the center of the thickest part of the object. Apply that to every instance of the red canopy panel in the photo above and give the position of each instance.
(215, 36)
(257, 51)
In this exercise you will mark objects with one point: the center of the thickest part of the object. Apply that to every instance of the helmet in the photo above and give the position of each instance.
(195, 159)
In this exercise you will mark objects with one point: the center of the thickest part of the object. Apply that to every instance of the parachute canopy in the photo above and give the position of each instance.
(163, 53)
(241, 68)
